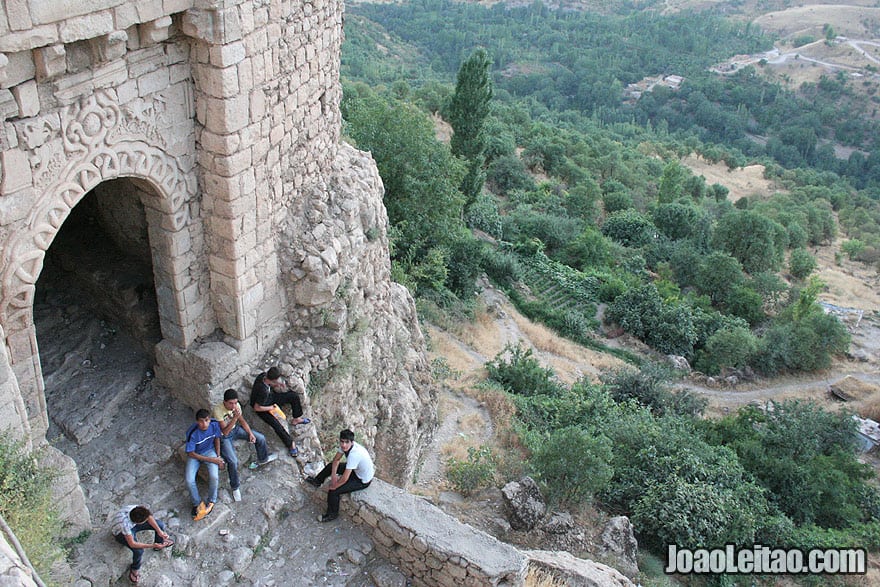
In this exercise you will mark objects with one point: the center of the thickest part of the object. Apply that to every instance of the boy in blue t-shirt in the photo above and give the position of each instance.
(203, 446)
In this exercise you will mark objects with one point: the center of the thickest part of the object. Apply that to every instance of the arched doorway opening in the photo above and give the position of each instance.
(95, 310)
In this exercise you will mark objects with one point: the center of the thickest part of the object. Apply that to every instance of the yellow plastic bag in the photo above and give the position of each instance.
(276, 411)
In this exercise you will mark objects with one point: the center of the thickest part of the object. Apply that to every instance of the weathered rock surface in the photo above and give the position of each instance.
(525, 504)
(576, 572)
(619, 543)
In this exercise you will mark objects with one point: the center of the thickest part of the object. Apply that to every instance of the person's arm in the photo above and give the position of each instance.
(206, 458)
(333, 468)
(244, 425)
(159, 531)
(226, 428)
(341, 480)
(221, 462)
(261, 408)
(132, 543)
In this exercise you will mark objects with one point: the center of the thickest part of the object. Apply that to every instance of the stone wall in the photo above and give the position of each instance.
(267, 240)
(436, 550)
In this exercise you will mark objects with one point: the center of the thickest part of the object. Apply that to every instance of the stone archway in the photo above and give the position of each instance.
(101, 143)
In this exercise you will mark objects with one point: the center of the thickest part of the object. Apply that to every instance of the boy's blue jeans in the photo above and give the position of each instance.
(192, 469)
(227, 451)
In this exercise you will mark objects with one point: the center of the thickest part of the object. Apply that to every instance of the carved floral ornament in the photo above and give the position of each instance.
(97, 149)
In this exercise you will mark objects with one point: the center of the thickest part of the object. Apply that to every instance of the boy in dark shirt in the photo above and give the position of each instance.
(267, 394)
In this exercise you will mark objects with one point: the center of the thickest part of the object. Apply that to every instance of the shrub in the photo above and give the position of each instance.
(648, 387)
(630, 228)
(473, 474)
(522, 373)
(729, 347)
(801, 263)
(570, 480)
(26, 503)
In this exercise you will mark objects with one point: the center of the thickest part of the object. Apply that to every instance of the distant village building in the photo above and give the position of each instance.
(634, 91)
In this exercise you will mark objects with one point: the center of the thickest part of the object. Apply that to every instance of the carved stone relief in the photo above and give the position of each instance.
(99, 141)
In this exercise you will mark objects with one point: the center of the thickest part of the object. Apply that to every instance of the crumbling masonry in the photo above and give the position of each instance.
(206, 134)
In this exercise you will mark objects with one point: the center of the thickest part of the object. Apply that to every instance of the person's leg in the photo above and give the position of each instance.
(334, 495)
(137, 554)
(230, 457)
(261, 446)
(277, 427)
(213, 480)
(146, 526)
(192, 469)
(290, 398)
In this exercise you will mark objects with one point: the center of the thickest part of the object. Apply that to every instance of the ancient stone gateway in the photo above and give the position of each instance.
(212, 127)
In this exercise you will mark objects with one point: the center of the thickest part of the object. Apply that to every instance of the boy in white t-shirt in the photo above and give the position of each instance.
(354, 474)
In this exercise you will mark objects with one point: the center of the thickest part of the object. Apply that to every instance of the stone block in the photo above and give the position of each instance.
(49, 11)
(27, 98)
(125, 15)
(155, 31)
(226, 55)
(88, 26)
(199, 24)
(19, 68)
(218, 82)
(227, 115)
(14, 207)
(109, 47)
(50, 61)
(28, 39)
(18, 14)
(152, 82)
(231, 165)
(110, 75)
(149, 10)
(16, 171)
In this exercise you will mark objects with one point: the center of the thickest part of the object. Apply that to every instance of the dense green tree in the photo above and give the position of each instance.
(671, 183)
(467, 114)
(421, 180)
(753, 239)
(717, 275)
(806, 458)
(629, 228)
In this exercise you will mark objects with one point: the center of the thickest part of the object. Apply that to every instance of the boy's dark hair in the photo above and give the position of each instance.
(346, 435)
(230, 394)
(273, 373)
(202, 413)
(139, 514)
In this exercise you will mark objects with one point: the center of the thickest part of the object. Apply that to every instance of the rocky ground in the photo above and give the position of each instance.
(124, 432)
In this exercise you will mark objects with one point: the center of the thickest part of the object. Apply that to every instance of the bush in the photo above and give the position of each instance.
(522, 373)
(648, 387)
(630, 228)
(567, 480)
(473, 474)
(729, 347)
(502, 266)
(26, 503)
(801, 263)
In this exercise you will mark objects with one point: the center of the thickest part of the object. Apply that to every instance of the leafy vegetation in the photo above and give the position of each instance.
(27, 506)
(587, 204)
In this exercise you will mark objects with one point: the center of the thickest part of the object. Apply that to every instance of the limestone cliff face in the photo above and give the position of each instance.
(354, 342)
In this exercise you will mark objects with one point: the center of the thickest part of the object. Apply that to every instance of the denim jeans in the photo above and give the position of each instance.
(227, 451)
(192, 469)
(137, 554)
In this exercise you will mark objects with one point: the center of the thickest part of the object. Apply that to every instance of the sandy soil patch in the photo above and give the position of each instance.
(742, 182)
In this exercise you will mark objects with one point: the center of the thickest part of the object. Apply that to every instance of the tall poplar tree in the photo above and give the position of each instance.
(467, 114)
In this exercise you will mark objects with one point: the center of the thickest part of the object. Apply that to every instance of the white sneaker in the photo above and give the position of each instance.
(236, 494)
